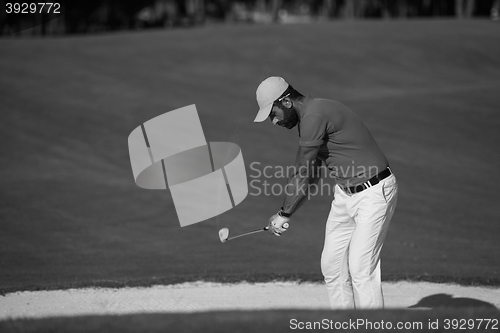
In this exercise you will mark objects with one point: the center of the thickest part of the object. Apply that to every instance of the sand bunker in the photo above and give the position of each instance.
(203, 296)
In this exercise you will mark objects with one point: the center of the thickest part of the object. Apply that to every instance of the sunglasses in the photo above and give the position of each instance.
(281, 98)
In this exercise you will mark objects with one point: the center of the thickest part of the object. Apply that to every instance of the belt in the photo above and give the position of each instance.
(369, 183)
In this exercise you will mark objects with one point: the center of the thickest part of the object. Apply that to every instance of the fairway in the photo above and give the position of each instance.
(271, 321)
(72, 216)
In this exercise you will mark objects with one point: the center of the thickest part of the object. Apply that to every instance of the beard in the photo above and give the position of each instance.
(290, 119)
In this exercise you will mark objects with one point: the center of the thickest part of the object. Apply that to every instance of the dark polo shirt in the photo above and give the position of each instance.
(345, 144)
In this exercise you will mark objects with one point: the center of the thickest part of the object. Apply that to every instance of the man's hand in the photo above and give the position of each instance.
(278, 224)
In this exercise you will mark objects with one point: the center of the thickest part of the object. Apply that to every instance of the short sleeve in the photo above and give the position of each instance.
(312, 131)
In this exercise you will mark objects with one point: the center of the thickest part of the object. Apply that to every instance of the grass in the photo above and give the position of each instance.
(71, 215)
(440, 320)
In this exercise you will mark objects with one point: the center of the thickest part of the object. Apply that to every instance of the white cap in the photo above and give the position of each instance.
(268, 91)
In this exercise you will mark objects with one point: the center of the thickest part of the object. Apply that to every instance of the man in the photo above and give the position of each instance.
(365, 191)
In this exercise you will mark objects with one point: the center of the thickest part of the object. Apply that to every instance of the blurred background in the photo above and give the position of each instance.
(423, 75)
(96, 16)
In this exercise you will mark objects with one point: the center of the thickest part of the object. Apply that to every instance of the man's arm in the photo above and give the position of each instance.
(306, 171)
(314, 129)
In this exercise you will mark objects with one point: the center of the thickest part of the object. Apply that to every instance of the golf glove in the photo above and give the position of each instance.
(278, 224)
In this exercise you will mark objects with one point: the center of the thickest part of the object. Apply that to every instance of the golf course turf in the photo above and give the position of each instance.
(71, 214)
(267, 321)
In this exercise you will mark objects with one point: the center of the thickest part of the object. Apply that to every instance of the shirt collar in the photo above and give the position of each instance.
(303, 109)
(305, 105)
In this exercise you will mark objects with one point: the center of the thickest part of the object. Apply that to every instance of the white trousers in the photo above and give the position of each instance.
(355, 232)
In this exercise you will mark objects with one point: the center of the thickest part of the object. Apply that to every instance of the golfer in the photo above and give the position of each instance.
(365, 192)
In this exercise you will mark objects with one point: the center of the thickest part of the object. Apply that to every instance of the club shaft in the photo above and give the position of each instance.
(248, 233)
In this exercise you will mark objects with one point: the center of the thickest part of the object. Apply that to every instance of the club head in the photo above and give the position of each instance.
(223, 234)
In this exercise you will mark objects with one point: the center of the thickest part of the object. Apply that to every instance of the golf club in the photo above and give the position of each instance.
(224, 233)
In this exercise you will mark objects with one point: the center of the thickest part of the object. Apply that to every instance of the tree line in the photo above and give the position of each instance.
(93, 16)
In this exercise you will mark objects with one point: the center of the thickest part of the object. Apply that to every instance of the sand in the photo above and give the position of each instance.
(203, 296)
